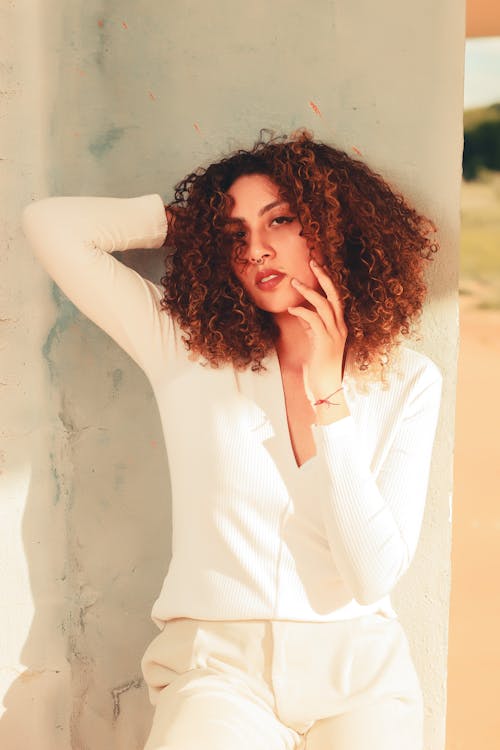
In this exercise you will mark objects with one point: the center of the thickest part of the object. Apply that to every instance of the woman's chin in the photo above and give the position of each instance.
(278, 304)
(276, 307)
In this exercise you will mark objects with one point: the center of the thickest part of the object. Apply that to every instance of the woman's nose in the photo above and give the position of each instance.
(259, 249)
(259, 257)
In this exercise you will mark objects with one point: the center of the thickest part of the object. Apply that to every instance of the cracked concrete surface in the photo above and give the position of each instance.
(117, 692)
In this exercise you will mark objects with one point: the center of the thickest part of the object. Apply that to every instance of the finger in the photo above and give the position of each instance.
(315, 325)
(322, 305)
(331, 292)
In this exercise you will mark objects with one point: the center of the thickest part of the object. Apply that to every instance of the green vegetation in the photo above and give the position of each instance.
(481, 140)
(473, 117)
(480, 239)
(480, 207)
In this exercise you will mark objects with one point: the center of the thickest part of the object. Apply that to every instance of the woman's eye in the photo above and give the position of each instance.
(238, 235)
(283, 219)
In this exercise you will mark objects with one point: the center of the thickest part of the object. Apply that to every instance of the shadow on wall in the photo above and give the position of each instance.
(102, 545)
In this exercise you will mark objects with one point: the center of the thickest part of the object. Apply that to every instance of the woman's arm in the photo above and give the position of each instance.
(73, 238)
(373, 525)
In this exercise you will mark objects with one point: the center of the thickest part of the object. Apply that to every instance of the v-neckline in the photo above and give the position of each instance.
(283, 414)
(276, 407)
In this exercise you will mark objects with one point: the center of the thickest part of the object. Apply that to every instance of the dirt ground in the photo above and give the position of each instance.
(474, 639)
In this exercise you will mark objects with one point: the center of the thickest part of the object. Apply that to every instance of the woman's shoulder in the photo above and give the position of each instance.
(414, 378)
(407, 369)
(417, 365)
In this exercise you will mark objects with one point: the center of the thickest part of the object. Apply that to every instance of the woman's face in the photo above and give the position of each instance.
(274, 252)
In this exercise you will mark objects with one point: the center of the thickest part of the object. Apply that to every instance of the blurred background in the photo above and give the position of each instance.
(473, 715)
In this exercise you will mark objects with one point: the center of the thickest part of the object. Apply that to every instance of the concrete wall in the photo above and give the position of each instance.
(123, 98)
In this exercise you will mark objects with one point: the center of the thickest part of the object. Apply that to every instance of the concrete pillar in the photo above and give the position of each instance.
(111, 98)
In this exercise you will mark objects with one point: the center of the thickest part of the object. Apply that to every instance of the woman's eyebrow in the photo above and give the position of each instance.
(261, 212)
(269, 207)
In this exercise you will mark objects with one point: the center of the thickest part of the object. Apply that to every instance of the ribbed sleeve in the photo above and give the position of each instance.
(73, 238)
(373, 523)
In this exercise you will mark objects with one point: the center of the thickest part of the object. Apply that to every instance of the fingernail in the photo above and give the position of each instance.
(295, 282)
(313, 263)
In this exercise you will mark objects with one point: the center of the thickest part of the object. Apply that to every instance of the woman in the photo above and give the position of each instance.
(299, 433)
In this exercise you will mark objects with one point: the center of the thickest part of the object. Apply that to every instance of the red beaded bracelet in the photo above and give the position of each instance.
(326, 400)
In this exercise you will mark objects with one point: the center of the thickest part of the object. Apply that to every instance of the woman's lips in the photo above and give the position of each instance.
(268, 280)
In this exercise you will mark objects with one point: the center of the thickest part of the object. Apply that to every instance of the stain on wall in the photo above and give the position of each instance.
(104, 142)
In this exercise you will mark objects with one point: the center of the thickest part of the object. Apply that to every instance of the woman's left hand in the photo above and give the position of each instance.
(327, 333)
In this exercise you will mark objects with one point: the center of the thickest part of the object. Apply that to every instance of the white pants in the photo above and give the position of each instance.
(282, 685)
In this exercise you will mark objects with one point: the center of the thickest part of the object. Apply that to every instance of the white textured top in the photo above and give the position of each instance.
(254, 536)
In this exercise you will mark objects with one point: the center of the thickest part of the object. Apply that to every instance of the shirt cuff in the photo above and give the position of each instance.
(145, 213)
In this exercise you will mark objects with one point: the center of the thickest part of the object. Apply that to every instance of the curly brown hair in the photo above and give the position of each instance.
(372, 243)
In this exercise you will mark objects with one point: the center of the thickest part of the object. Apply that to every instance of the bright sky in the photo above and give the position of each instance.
(482, 71)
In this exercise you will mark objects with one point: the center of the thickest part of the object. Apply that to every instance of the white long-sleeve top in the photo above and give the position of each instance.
(254, 536)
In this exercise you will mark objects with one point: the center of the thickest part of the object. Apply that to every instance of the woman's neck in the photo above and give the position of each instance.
(292, 345)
